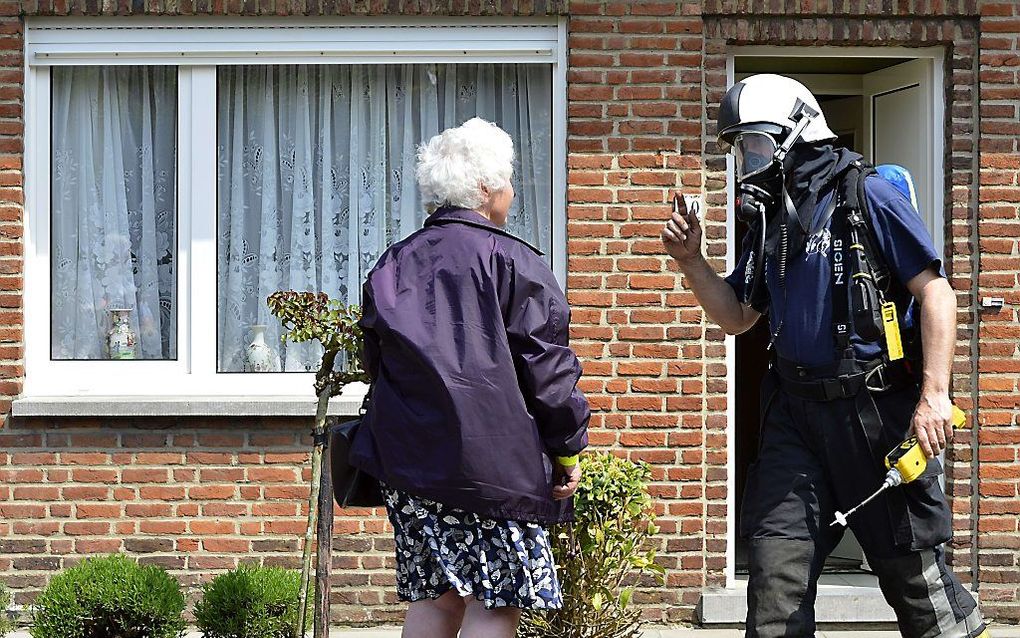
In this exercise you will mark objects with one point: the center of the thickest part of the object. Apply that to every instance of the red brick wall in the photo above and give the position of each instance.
(12, 281)
(997, 232)
(635, 134)
(199, 495)
(189, 496)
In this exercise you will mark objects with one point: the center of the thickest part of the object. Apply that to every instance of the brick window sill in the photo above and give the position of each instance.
(225, 406)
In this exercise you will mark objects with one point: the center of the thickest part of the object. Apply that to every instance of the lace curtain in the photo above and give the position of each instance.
(316, 176)
(113, 208)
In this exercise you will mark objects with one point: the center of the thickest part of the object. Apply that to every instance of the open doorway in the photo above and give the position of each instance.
(880, 103)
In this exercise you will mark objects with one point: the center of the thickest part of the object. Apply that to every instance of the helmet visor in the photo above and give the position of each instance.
(753, 152)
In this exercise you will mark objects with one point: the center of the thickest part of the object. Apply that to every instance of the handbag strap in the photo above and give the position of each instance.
(363, 410)
(324, 437)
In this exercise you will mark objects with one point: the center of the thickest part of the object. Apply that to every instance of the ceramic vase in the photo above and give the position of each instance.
(120, 338)
(258, 356)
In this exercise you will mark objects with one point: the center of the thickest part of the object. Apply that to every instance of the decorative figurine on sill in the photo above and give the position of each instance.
(258, 356)
(121, 338)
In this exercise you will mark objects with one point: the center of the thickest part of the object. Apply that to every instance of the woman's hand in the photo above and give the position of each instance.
(565, 480)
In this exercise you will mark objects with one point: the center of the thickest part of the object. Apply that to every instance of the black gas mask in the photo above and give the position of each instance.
(758, 158)
(759, 176)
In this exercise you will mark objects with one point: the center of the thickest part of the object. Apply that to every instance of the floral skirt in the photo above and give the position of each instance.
(440, 548)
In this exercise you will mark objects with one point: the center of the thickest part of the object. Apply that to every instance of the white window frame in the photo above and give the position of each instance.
(197, 46)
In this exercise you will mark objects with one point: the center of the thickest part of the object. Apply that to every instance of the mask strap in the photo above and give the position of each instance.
(791, 211)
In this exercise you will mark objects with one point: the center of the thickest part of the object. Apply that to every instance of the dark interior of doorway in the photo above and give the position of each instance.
(752, 361)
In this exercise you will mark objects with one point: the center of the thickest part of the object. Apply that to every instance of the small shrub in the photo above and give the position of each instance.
(605, 549)
(313, 316)
(110, 597)
(250, 602)
(5, 602)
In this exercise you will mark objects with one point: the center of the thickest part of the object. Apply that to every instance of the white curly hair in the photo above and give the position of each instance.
(454, 165)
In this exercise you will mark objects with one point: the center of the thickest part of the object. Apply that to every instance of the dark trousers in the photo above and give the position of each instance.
(818, 457)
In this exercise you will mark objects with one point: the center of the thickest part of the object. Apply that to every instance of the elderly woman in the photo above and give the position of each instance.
(475, 419)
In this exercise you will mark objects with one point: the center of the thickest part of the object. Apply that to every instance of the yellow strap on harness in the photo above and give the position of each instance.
(893, 342)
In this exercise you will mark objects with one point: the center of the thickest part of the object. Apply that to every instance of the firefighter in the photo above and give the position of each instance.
(830, 245)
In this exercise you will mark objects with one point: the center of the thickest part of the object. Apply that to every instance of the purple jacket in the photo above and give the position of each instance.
(474, 385)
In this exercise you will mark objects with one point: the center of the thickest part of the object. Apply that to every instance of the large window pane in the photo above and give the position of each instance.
(316, 177)
(113, 220)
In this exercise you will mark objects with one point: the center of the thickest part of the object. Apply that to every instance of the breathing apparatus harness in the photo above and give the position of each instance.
(862, 304)
(868, 275)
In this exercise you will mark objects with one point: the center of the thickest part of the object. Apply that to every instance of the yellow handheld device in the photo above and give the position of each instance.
(905, 463)
(893, 341)
(908, 458)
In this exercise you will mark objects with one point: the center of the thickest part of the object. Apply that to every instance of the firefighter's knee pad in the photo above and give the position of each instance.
(780, 593)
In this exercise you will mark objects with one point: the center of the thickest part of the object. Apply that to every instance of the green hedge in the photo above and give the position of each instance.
(5, 602)
(110, 597)
(250, 602)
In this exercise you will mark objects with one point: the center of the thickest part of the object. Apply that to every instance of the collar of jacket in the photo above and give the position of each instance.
(466, 217)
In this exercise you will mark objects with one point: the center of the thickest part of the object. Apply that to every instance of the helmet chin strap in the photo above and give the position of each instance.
(791, 211)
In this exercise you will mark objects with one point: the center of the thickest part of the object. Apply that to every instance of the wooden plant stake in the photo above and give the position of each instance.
(314, 316)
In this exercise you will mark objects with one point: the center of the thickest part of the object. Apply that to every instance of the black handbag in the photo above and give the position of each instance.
(351, 486)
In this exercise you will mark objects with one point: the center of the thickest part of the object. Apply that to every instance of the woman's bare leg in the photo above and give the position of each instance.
(480, 622)
(439, 618)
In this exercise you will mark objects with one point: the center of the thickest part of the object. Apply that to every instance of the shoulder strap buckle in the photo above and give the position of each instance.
(832, 388)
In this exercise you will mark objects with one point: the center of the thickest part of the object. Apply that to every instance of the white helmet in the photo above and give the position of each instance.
(766, 103)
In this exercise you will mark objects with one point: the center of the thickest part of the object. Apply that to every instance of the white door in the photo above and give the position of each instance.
(899, 128)
(901, 118)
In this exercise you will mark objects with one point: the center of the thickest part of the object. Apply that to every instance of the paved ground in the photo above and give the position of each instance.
(997, 632)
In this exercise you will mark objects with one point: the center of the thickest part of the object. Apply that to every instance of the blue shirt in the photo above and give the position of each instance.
(805, 306)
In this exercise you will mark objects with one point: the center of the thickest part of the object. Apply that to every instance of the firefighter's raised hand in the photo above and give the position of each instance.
(681, 236)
